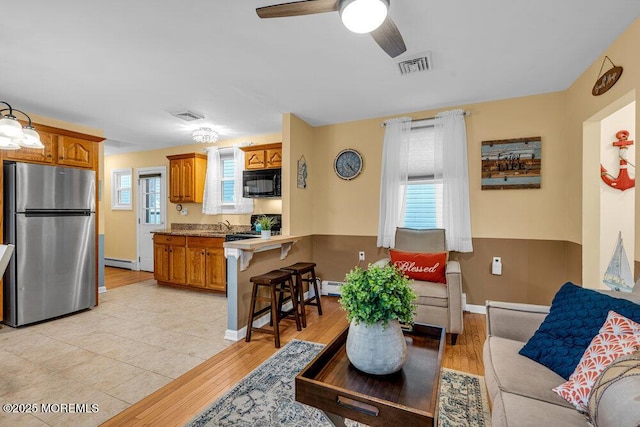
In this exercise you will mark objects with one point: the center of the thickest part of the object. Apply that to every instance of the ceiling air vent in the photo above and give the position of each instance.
(188, 115)
(415, 65)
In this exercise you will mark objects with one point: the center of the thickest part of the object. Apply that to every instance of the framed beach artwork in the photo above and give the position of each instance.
(512, 163)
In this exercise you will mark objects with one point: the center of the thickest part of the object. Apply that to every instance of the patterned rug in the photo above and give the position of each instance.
(266, 396)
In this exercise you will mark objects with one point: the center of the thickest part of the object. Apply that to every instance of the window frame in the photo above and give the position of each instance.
(226, 156)
(117, 189)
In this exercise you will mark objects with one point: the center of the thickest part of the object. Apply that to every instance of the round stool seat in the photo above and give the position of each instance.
(271, 278)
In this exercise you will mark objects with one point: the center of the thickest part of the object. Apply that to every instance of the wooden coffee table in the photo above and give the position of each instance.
(407, 398)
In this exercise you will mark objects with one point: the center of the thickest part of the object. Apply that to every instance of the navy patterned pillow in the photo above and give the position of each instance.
(575, 317)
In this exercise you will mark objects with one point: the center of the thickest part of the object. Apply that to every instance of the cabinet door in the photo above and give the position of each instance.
(274, 158)
(216, 270)
(161, 262)
(175, 181)
(36, 155)
(188, 177)
(254, 160)
(196, 262)
(177, 267)
(76, 152)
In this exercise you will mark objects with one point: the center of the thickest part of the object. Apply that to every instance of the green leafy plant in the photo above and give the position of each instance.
(266, 222)
(380, 293)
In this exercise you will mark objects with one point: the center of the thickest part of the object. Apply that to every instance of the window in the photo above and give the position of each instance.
(150, 189)
(423, 196)
(227, 166)
(121, 189)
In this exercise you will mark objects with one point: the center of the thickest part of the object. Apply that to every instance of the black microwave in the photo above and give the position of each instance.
(263, 183)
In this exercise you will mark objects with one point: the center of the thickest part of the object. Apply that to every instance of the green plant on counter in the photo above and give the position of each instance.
(266, 222)
(378, 294)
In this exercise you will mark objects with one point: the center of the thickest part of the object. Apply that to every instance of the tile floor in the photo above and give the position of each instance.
(138, 339)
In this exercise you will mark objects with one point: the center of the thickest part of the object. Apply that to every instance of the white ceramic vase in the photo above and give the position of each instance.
(265, 234)
(375, 349)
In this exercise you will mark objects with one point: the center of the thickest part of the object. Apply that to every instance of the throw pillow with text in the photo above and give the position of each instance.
(428, 267)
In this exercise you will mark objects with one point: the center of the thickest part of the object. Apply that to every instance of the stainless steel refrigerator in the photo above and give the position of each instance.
(49, 215)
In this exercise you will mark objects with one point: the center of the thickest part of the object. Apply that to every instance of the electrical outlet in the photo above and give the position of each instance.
(361, 256)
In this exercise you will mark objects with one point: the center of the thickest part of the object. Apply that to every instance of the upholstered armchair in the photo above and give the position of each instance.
(438, 303)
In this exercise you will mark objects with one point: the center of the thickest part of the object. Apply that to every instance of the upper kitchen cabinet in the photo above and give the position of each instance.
(35, 155)
(265, 156)
(61, 147)
(186, 177)
(76, 152)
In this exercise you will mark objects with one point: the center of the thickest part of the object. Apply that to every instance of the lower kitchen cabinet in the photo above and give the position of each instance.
(169, 256)
(203, 266)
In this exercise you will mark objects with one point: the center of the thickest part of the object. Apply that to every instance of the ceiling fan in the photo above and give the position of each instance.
(359, 16)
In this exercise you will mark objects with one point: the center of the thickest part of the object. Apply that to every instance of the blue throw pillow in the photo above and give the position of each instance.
(575, 317)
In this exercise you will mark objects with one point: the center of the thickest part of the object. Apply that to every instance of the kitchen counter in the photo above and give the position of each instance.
(244, 249)
(192, 233)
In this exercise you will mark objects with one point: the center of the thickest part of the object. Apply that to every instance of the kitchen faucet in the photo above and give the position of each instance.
(226, 224)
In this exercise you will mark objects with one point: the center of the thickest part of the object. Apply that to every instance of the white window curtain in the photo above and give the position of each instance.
(240, 204)
(212, 200)
(451, 135)
(393, 178)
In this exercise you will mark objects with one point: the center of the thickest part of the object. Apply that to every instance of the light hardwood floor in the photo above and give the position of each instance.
(182, 399)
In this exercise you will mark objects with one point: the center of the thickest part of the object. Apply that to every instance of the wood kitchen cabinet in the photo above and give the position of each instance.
(61, 147)
(76, 152)
(186, 177)
(266, 156)
(206, 264)
(196, 262)
(169, 257)
(34, 155)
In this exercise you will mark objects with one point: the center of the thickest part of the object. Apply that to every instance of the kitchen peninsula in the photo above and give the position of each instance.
(193, 256)
(247, 258)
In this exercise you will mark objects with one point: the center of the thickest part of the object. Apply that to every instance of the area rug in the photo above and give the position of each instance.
(266, 397)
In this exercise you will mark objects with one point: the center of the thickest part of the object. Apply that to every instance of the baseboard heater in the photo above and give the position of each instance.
(121, 263)
(331, 288)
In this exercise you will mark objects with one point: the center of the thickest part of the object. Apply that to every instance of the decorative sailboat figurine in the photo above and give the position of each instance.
(618, 275)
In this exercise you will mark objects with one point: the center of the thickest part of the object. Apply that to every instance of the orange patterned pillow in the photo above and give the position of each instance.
(618, 336)
(430, 267)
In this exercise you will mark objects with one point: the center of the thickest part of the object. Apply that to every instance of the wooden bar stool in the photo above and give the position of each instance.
(298, 270)
(279, 282)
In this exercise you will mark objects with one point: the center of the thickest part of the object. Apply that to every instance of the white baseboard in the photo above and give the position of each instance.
(127, 264)
(480, 309)
(102, 289)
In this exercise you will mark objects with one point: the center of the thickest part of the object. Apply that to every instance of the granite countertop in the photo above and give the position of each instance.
(203, 230)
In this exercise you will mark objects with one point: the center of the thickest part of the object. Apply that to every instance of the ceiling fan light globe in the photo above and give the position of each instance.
(363, 16)
(10, 127)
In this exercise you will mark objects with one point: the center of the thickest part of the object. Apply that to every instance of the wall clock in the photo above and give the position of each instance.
(348, 164)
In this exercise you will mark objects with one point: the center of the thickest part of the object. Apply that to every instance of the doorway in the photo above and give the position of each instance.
(152, 208)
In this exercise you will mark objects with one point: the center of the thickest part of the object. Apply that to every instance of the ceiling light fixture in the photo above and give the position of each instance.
(13, 135)
(363, 16)
(205, 135)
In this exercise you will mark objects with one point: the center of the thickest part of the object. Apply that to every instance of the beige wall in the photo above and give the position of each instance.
(120, 236)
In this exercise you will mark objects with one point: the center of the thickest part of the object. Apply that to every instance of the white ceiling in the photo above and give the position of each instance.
(123, 66)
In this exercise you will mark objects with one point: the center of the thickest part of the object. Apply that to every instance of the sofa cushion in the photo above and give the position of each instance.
(618, 337)
(509, 372)
(615, 397)
(430, 293)
(429, 267)
(512, 410)
(575, 317)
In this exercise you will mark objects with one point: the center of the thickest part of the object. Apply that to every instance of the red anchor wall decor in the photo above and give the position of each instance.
(623, 181)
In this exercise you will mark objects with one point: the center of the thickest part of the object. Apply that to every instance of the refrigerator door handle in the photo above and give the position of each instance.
(49, 212)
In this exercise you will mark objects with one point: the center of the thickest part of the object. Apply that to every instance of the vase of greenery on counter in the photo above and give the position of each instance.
(376, 300)
(266, 222)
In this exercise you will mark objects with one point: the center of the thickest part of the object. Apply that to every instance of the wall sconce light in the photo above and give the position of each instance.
(12, 135)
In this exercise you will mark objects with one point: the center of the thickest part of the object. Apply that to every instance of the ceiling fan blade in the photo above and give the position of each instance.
(389, 38)
(307, 7)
